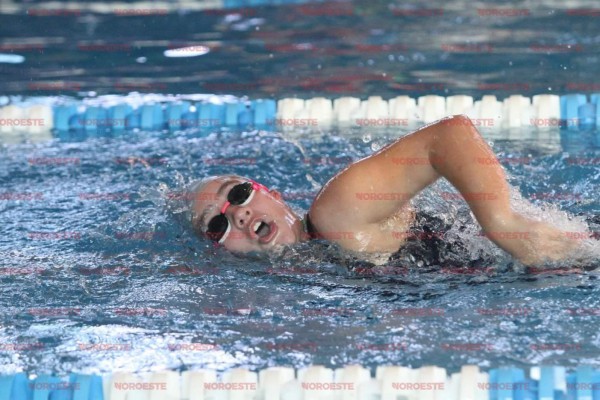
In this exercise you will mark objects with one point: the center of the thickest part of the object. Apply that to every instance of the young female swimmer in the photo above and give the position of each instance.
(244, 215)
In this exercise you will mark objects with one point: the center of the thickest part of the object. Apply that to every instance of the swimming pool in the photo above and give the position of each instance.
(100, 273)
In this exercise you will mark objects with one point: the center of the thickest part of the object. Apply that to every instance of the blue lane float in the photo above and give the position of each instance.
(175, 112)
(264, 111)
(505, 383)
(117, 115)
(94, 119)
(89, 387)
(571, 111)
(15, 387)
(62, 116)
(595, 100)
(511, 384)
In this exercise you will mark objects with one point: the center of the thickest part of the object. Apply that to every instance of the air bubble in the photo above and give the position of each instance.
(366, 138)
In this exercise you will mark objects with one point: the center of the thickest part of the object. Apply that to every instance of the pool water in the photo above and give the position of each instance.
(100, 272)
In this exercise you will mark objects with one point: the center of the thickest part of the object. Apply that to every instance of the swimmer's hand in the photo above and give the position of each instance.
(532, 242)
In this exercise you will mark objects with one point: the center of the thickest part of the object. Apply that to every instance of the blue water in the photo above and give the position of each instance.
(376, 47)
(126, 271)
(100, 271)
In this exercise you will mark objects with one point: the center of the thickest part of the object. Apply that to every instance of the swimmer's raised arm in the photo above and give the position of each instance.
(389, 178)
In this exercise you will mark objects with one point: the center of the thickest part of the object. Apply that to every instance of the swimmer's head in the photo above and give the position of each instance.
(254, 218)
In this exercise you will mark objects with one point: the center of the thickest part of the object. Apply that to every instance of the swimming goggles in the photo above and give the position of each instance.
(239, 195)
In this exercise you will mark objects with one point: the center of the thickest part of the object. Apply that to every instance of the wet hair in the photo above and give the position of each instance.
(193, 189)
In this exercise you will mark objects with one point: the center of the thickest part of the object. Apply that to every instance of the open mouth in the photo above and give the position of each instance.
(265, 231)
(262, 229)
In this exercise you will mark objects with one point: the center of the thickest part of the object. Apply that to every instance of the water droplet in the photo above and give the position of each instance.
(375, 146)
(366, 138)
(491, 144)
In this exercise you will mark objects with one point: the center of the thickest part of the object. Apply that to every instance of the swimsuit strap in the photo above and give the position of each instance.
(309, 227)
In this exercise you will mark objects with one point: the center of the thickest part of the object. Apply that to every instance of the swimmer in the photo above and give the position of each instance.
(243, 215)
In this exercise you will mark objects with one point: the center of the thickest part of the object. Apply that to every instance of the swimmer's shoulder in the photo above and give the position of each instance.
(333, 217)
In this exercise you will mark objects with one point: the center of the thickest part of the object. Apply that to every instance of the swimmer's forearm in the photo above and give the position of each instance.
(455, 152)
(462, 156)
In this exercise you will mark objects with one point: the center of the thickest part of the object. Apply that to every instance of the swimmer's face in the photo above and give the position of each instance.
(264, 222)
